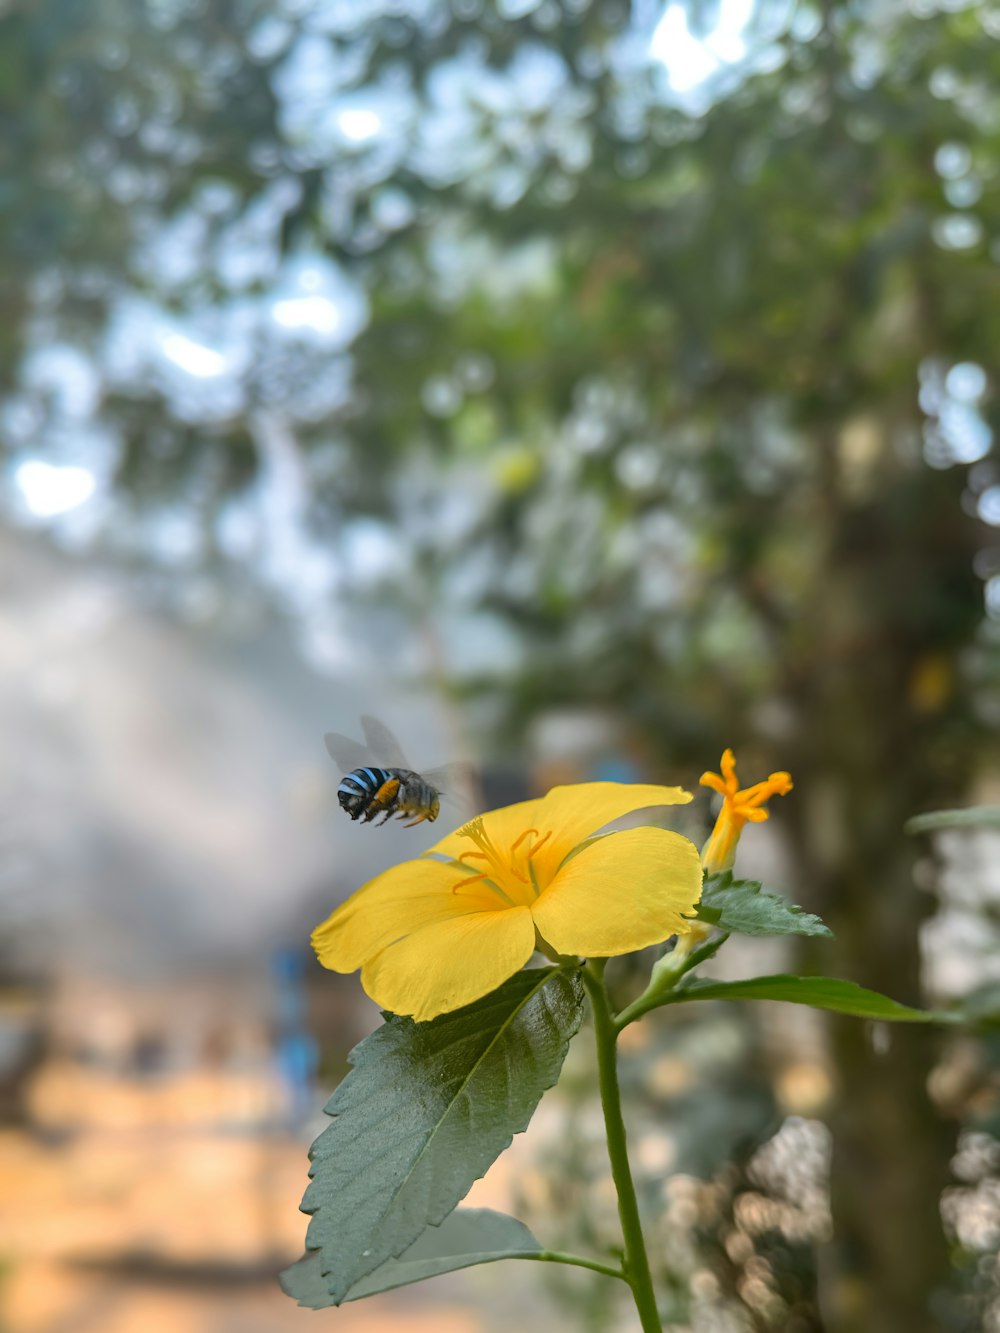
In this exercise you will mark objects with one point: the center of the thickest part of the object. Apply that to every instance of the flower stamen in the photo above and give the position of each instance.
(521, 837)
(537, 846)
(499, 870)
(472, 879)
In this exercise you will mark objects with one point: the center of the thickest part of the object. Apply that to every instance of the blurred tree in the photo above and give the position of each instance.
(674, 396)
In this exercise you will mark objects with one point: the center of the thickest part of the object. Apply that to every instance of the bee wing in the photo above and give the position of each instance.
(383, 744)
(347, 754)
(380, 747)
(458, 783)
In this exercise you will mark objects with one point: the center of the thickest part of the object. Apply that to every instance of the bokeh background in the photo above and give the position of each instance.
(580, 386)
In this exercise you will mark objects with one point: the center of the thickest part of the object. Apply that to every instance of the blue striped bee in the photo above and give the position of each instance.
(378, 781)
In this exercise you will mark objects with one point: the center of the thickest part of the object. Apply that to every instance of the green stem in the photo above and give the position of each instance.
(661, 989)
(577, 1261)
(637, 1272)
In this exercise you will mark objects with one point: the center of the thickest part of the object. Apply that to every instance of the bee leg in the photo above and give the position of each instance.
(386, 793)
(419, 820)
(381, 802)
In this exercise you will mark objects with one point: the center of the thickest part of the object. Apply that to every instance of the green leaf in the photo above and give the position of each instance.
(466, 1237)
(975, 816)
(982, 1005)
(425, 1110)
(842, 997)
(739, 906)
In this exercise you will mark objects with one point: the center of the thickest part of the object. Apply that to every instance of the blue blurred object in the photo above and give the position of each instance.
(616, 768)
(296, 1052)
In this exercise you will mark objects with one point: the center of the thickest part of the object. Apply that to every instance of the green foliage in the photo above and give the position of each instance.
(841, 997)
(739, 907)
(982, 1005)
(426, 1109)
(972, 817)
(466, 1237)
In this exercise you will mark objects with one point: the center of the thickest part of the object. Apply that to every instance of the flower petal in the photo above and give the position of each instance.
(573, 813)
(621, 893)
(450, 963)
(398, 902)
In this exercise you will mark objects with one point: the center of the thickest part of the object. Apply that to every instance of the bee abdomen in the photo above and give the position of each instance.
(358, 789)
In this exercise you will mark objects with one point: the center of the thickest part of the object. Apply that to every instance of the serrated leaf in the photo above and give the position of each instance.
(466, 1237)
(425, 1110)
(842, 997)
(740, 907)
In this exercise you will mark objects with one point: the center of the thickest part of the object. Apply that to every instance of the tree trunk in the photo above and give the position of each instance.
(885, 735)
(888, 1263)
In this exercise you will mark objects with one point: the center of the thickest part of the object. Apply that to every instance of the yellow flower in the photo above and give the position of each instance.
(738, 808)
(434, 934)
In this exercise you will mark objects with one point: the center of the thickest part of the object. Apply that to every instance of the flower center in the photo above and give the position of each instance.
(509, 872)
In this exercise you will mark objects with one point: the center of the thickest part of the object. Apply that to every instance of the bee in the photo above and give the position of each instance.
(378, 780)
